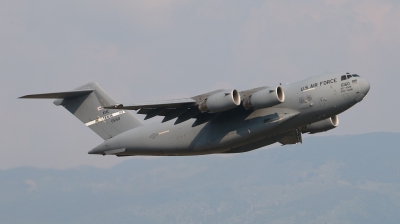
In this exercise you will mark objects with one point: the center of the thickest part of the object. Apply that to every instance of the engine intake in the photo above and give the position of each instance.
(221, 101)
(321, 126)
(265, 98)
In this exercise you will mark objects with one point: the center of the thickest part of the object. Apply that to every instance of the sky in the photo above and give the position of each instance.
(165, 49)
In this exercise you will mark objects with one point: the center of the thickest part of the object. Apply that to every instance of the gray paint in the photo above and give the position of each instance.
(85, 108)
(236, 130)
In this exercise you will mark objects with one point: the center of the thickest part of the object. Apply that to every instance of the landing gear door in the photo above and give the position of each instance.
(292, 137)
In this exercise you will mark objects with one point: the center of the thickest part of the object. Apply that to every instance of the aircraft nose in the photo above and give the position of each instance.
(364, 89)
(364, 86)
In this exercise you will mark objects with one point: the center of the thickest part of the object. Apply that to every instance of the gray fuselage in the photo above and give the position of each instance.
(239, 130)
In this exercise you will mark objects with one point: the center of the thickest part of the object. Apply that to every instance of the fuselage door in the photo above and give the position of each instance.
(355, 85)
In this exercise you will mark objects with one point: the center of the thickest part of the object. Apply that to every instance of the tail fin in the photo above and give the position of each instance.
(86, 103)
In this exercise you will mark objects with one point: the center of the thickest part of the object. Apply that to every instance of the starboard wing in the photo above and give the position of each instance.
(182, 109)
(176, 103)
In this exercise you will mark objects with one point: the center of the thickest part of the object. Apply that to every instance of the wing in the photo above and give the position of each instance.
(182, 109)
(178, 103)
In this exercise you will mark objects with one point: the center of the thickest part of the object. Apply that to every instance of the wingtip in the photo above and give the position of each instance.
(23, 97)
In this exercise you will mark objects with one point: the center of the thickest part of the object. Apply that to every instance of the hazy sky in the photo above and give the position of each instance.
(163, 49)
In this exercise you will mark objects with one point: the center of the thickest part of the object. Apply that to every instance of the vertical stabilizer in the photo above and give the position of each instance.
(86, 103)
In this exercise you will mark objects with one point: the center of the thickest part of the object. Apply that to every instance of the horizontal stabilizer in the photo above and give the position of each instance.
(58, 95)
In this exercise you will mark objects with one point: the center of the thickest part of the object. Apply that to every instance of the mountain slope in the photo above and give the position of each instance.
(336, 179)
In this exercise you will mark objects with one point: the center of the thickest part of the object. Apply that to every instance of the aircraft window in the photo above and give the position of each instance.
(355, 75)
(348, 76)
(344, 77)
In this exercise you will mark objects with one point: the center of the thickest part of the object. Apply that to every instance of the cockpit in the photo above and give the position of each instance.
(348, 76)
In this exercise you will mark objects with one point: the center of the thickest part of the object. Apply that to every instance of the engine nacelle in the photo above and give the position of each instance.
(221, 101)
(321, 126)
(265, 98)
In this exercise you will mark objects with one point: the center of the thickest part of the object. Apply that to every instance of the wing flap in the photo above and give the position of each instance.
(188, 114)
(154, 113)
(203, 118)
(174, 114)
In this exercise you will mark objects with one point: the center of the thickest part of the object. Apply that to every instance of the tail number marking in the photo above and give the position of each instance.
(104, 118)
(115, 119)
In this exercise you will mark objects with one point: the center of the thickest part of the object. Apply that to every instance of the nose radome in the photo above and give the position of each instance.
(364, 86)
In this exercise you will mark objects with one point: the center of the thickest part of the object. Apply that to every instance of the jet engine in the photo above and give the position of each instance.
(221, 101)
(321, 126)
(265, 98)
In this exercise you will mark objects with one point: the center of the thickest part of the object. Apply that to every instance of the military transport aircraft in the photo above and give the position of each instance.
(222, 121)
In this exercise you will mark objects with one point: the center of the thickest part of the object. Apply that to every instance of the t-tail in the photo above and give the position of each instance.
(86, 103)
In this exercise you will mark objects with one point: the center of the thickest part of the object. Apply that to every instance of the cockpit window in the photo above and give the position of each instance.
(345, 77)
